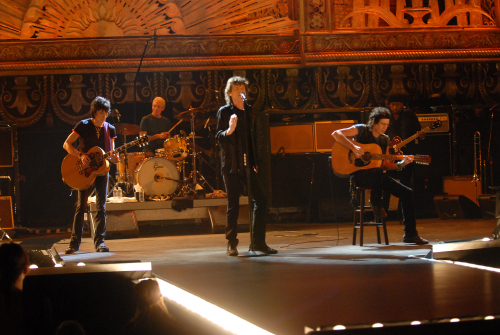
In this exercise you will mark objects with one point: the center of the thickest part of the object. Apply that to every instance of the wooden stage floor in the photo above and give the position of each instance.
(318, 278)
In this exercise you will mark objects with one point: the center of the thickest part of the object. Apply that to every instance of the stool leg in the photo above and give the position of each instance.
(361, 216)
(378, 233)
(385, 232)
(354, 228)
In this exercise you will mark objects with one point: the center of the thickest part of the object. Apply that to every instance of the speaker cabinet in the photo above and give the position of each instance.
(463, 185)
(6, 215)
(487, 205)
(456, 207)
(298, 138)
(119, 224)
(218, 218)
(323, 133)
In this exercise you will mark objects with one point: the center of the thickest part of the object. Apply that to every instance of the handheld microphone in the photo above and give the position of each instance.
(243, 96)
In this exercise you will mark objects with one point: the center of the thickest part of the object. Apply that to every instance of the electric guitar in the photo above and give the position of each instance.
(345, 162)
(397, 143)
(79, 177)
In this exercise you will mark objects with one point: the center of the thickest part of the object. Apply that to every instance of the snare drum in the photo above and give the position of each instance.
(151, 176)
(134, 159)
(175, 148)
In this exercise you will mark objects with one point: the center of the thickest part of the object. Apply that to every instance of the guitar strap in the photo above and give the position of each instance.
(107, 138)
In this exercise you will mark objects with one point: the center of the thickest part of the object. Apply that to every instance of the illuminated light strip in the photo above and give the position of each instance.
(470, 265)
(217, 315)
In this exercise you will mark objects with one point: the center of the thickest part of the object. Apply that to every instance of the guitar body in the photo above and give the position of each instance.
(344, 162)
(79, 177)
(393, 149)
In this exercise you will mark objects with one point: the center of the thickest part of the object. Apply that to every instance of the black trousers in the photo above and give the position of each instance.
(101, 191)
(235, 184)
(380, 183)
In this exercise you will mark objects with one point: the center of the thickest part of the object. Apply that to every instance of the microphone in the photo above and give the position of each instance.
(206, 123)
(492, 108)
(117, 113)
(243, 96)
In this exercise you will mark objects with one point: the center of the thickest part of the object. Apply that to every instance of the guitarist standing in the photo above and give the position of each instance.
(375, 179)
(91, 133)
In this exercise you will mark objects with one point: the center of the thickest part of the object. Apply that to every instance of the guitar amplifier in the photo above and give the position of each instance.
(323, 133)
(427, 119)
(292, 138)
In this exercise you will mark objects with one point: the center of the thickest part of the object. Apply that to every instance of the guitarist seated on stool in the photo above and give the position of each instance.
(375, 178)
(91, 133)
(403, 124)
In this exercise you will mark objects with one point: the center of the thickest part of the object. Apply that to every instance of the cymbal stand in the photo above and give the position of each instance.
(194, 173)
(128, 185)
(186, 188)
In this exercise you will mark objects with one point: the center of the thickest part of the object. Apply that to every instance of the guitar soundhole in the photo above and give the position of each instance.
(364, 160)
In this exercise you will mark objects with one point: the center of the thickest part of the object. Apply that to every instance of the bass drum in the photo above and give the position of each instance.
(151, 176)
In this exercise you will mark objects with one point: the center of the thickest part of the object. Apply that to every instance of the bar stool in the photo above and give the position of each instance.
(360, 216)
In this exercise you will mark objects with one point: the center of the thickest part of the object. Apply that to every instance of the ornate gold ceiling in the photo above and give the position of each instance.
(110, 36)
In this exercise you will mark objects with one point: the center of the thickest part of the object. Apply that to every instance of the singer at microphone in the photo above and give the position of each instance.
(236, 135)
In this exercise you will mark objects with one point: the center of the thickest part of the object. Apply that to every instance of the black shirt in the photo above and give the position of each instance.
(88, 135)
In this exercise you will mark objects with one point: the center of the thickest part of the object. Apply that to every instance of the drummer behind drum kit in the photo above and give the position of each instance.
(159, 176)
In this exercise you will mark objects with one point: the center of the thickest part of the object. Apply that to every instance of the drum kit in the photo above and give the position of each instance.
(164, 174)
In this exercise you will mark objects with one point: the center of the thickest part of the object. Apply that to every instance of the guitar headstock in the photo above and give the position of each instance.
(435, 125)
(422, 159)
(142, 140)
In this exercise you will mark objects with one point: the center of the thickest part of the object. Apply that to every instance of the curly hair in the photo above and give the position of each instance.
(98, 104)
(376, 114)
(233, 81)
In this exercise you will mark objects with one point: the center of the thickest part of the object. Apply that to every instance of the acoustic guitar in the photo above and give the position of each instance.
(397, 143)
(345, 162)
(79, 177)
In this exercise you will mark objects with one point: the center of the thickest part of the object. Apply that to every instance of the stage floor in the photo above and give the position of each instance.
(318, 278)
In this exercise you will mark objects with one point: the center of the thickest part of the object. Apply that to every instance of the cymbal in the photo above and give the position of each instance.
(191, 110)
(127, 129)
(190, 137)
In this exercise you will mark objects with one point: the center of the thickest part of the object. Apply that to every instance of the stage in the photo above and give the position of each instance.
(318, 278)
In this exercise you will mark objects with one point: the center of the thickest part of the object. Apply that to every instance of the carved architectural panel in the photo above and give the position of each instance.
(28, 99)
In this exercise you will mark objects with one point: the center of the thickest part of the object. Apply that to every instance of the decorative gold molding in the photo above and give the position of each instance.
(422, 56)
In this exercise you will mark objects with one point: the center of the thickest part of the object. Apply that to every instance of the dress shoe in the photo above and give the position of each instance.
(70, 250)
(102, 248)
(415, 239)
(379, 212)
(265, 249)
(231, 250)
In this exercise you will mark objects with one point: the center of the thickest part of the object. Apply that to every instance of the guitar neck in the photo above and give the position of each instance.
(409, 139)
(120, 149)
(389, 157)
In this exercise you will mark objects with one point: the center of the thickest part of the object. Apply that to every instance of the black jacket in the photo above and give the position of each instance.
(232, 146)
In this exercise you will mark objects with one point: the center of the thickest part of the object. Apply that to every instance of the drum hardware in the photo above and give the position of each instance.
(125, 129)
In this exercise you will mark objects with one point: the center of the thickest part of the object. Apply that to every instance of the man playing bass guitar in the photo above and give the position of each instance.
(375, 178)
(91, 133)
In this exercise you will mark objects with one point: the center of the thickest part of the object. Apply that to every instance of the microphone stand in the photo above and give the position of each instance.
(137, 74)
(251, 252)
